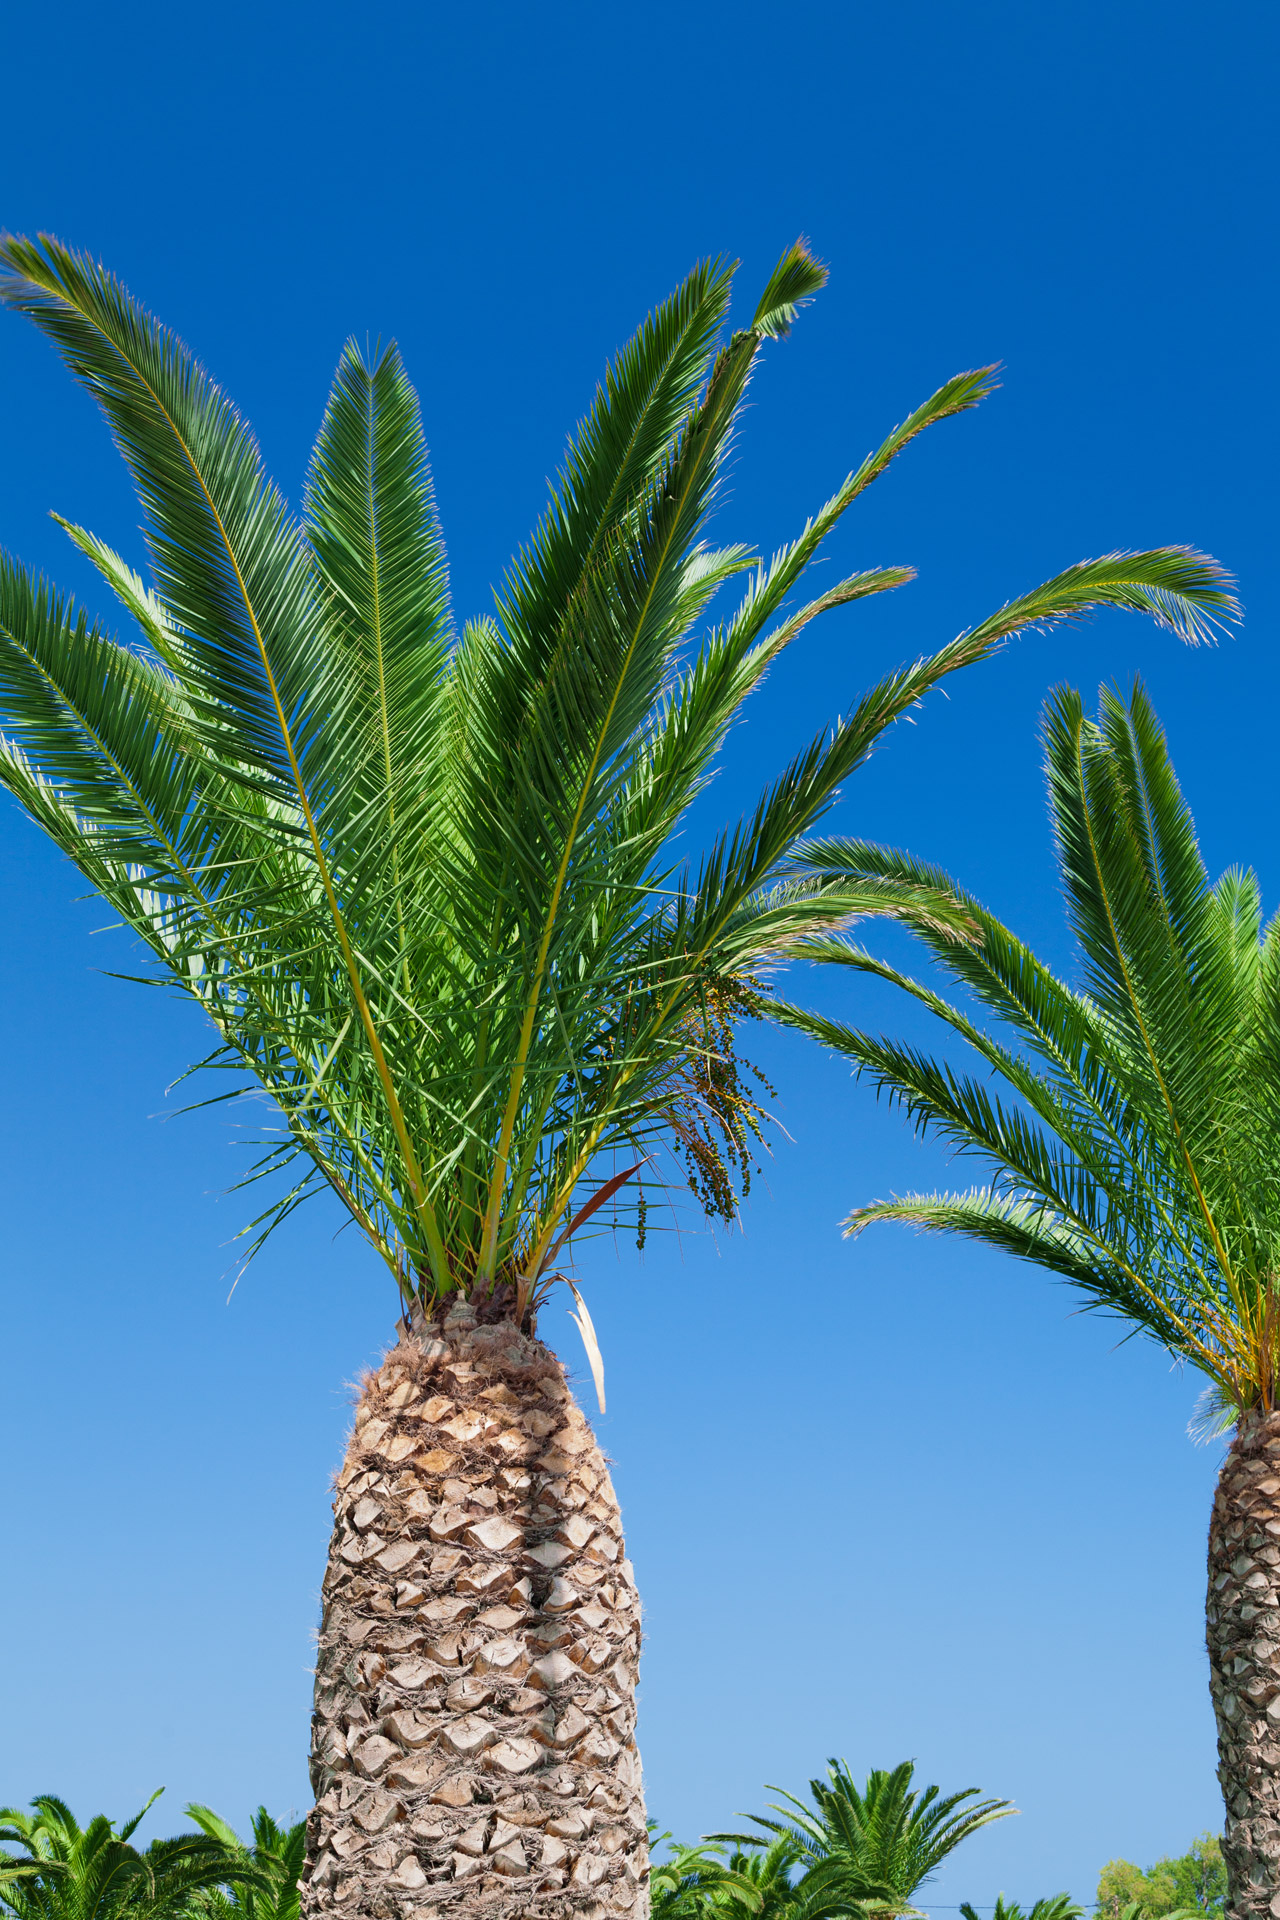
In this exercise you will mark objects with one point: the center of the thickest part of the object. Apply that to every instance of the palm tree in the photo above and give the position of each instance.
(768, 1866)
(268, 1885)
(1057, 1906)
(867, 1850)
(1137, 1158)
(420, 883)
(693, 1883)
(68, 1872)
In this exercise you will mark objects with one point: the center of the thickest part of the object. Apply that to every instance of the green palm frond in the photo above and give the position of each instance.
(1135, 1156)
(1058, 1906)
(421, 881)
(695, 1883)
(231, 565)
(868, 1849)
(262, 1877)
(68, 1872)
(372, 523)
(769, 1868)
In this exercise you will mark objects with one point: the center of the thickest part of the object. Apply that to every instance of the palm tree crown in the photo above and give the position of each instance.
(867, 1849)
(1057, 1906)
(420, 880)
(64, 1871)
(1138, 1155)
(694, 1883)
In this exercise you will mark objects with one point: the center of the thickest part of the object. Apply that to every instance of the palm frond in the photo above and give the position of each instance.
(231, 565)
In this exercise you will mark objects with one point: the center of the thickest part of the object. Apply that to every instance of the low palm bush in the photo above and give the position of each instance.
(63, 1871)
(866, 1849)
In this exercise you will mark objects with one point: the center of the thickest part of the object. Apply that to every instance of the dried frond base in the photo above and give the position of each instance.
(473, 1741)
(1244, 1662)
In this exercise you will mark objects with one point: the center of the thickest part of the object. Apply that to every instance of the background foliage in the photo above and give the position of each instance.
(1194, 1879)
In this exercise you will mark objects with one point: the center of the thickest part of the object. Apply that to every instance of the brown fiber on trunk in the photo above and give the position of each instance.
(1243, 1635)
(473, 1746)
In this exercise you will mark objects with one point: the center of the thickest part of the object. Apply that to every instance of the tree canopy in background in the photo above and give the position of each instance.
(1196, 1878)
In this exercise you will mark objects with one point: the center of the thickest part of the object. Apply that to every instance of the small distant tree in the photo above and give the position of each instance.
(1201, 1875)
(1121, 1884)
(1194, 1881)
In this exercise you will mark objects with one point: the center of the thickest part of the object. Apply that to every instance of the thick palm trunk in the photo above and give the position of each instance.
(1244, 1661)
(473, 1740)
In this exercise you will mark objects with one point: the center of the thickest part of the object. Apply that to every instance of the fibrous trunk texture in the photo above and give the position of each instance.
(1243, 1635)
(473, 1744)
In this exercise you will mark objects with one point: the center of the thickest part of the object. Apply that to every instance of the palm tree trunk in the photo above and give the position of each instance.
(1243, 1634)
(473, 1741)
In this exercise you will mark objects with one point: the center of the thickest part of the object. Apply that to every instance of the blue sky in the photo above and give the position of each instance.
(886, 1499)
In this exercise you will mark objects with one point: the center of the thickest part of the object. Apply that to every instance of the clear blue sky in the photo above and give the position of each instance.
(884, 1500)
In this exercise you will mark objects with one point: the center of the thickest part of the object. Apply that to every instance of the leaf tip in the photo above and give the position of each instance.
(792, 284)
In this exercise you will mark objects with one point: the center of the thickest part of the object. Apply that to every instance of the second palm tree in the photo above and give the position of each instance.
(1138, 1157)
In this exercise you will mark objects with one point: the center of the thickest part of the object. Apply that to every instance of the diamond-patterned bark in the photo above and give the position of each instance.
(1243, 1634)
(473, 1740)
